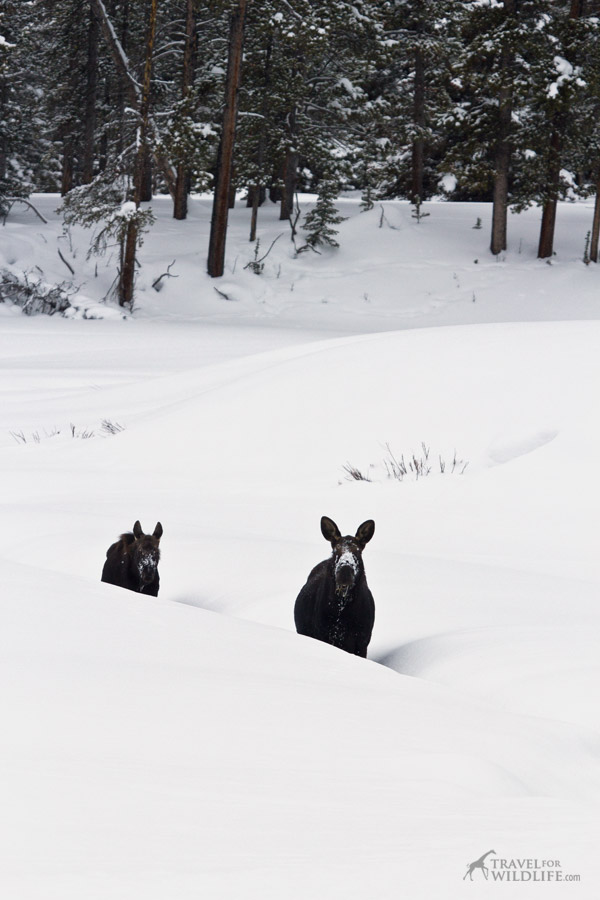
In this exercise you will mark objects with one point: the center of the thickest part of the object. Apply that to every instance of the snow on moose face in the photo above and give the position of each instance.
(146, 557)
(346, 564)
(347, 552)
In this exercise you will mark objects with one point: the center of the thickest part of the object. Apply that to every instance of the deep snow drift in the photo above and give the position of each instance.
(193, 744)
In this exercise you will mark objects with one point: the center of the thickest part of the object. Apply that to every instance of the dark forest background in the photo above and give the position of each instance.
(111, 101)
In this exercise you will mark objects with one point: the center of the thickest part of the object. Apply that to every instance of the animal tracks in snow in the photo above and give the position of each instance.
(510, 448)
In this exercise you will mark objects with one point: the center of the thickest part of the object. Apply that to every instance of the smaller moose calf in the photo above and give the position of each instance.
(335, 605)
(132, 562)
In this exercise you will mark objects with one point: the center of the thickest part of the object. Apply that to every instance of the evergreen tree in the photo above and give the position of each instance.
(319, 221)
(418, 41)
(70, 56)
(21, 127)
(562, 84)
(300, 96)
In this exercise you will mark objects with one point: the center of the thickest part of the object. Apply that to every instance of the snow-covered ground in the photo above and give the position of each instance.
(193, 745)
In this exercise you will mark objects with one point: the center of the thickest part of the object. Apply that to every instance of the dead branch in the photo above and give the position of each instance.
(222, 294)
(156, 284)
(67, 264)
(12, 200)
(255, 262)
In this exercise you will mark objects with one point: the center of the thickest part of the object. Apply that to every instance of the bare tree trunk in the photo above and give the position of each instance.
(257, 194)
(146, 177)
(595, 225)
(127, 274)
(91, 90)
(503, 148)
(218, 225)
(418, 147)
(180, 200)
(252, 192)
(66, 182)
(3, 141)
(546, 243)
(254, 216)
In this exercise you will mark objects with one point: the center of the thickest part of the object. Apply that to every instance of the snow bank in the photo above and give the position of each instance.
(194, 744)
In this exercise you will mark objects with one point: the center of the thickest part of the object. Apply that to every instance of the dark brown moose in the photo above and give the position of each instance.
(132, 562)
(335, 605)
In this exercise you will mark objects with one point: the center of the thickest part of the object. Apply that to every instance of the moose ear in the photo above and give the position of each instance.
(137, 530)
(158, 531)
(329, 530)
(365, 532)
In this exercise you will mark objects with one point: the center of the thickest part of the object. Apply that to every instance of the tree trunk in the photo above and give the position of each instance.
(290, 170)
(498, 241)
(595, 225)
(146, 176)
(546, 244)
(66, 182)
(182, 181)
(290, 178)
(127, 274)
(218, 225)
(254, 216)
(418, 147)
(91, 90)
(4, 148)
(258, 193)
(503, 148)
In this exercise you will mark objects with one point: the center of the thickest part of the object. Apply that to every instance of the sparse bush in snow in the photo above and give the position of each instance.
(353, 473)
(412, 466)
(106, 428)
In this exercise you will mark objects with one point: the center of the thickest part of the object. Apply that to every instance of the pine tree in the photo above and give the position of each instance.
(562, 95)
(319, 221)
(21, 127)
(301, 96)
(421, 42)
(69, 56)
(551, 140)
(408, 96)
(590, 124)
(113, 198)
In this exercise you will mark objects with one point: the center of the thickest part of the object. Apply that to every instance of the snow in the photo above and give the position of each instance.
(192, 744)
(566, 73)
(127, 210)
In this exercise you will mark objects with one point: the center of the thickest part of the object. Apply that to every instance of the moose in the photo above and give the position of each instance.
(335, 605)
(132, 562)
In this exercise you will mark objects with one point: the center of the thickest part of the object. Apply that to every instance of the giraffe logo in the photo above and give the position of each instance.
(478, 864)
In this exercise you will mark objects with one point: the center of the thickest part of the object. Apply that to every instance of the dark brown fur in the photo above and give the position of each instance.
(132, 562)
(335, 605)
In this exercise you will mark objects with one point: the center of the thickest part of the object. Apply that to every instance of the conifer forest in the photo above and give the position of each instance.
(109, 102)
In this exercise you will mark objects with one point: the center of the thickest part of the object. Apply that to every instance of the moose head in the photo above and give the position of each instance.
(145, 553)
(347, 552)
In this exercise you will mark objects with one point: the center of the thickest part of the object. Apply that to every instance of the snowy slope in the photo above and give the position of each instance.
(193, 744)
(160, 751)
